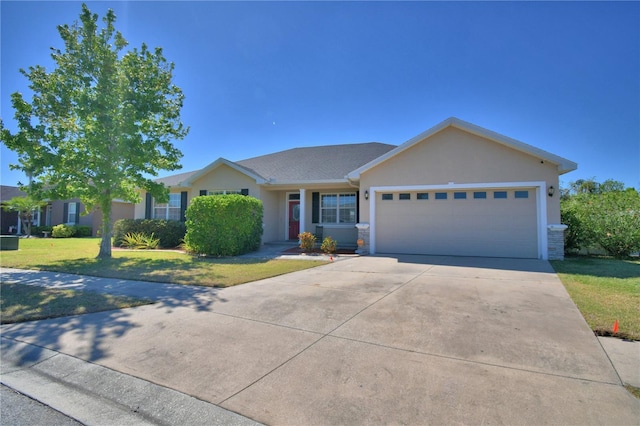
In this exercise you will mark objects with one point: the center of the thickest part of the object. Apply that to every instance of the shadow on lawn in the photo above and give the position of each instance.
(180, 271)
(599, 267)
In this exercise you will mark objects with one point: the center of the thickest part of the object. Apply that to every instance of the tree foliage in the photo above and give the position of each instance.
(98, 123)
(224, 225)
(607, 217)
(24, 206)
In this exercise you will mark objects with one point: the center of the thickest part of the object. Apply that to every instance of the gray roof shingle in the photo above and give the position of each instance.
(315, 163)
(9, 192)
(175, 180)
(305, 164)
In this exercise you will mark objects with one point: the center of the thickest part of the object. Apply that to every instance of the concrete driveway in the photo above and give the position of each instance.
(367, 340)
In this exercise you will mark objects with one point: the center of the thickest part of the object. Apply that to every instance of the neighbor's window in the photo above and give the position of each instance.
(338, 208)
(170, 210)
(72, 213)
(404, 196)
(422, 195)
(441, 195)
(522, 194)
(499, 194)
(479, 195)
(387, 197)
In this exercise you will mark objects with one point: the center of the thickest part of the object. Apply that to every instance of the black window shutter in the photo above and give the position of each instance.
(65, 212)
(203, 192)
(183, 205)
(244, 191)
(78, 207)
(315, 207)
(147, 207)
(357, 206)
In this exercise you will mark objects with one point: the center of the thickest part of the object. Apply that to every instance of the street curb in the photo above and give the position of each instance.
(96, 395)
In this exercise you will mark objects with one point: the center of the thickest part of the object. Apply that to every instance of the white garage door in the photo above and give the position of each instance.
(479, 222)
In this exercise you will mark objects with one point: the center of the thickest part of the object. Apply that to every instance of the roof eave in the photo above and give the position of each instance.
(564, 165)
(220, 161)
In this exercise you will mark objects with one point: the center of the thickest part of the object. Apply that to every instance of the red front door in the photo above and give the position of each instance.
(294, 219)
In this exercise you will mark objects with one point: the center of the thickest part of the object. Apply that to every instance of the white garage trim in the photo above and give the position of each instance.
(541, 205)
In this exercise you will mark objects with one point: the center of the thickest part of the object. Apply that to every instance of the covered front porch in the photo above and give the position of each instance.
(323, 211)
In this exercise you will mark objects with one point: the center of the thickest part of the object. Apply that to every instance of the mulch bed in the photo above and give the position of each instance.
(298, 250)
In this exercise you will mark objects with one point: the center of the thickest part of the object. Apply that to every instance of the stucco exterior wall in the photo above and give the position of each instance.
(271, 219)
(454, 155)
(224, 178)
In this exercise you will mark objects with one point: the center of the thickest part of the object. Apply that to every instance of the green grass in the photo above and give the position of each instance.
(634, 390)
(20, 302)
(78, 256)
(605, 290)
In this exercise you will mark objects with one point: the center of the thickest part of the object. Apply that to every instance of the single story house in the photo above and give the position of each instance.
(56, 212)
(455, 189)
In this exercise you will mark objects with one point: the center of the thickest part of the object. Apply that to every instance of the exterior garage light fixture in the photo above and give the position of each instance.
(552, 191)
(366, 195)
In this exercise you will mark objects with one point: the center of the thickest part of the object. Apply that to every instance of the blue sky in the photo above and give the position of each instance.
(260, 77)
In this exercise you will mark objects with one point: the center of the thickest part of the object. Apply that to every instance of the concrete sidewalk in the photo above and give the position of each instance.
(368, 340)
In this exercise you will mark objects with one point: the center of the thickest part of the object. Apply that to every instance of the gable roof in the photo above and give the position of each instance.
(223, 161)
(309, 164)
(315, 164)
(176, 180)
(563, 164)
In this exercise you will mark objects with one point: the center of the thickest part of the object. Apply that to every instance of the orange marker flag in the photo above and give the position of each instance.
(615, 326)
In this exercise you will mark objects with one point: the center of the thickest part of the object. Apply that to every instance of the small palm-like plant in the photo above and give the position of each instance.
(140, 241)
(329, 245)
(307, 241)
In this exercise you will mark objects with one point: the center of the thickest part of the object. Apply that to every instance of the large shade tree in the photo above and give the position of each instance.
(100, 123)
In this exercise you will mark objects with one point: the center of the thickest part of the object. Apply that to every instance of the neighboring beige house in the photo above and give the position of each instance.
(456, 189)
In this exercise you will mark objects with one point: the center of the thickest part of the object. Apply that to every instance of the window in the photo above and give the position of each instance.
(170, 210)
(387, 197)
(72, 213)
(522, 194)
(499, 194)
(224, 192)
(405, 196)
(35, 217)
(422, 196)
(294, 196)
(338, 208)
(460, 195)
(479, 194)
(441, 195)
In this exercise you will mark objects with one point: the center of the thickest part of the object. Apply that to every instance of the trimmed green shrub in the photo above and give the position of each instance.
(140, 241)
(62, 231)
(38, 230)
(169, 232)
(80, 231)
(329, 245)
(224, 225)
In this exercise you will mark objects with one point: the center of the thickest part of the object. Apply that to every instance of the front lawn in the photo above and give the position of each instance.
(20, 302)
(605, 290)
(78, 256)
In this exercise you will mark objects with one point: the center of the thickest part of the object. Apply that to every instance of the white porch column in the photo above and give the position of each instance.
(303, 211)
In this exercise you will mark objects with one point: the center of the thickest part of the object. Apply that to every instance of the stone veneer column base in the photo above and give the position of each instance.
(363, 239)
(555, 241)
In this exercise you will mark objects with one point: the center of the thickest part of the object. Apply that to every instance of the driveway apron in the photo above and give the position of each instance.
(407, 340)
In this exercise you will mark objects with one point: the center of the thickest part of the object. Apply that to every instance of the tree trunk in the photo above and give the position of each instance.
(105, 244)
